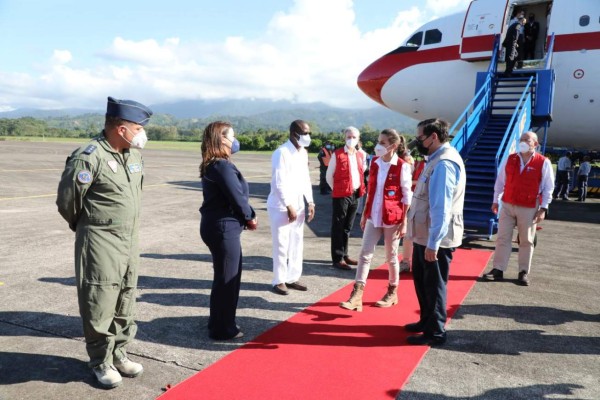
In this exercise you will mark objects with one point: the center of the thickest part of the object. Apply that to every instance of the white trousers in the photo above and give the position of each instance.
(370, 238)
(288, 245)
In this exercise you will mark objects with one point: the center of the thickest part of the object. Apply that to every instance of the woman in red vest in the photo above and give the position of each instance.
(388, 198)
(407, 244)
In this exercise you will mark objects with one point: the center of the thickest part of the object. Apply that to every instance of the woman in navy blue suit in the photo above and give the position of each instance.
(225, 214)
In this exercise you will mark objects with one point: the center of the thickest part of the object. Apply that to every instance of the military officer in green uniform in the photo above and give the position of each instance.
(99, 195)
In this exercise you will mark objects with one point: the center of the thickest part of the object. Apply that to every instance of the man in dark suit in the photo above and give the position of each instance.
(532, 30)
(511, 45)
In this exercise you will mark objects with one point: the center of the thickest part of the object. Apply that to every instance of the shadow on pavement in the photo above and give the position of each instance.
(528, 315)
(521, 392)
(26, 367)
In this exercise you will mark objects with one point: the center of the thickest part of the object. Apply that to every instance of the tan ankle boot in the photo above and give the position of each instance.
(355, 300)
(390, 298)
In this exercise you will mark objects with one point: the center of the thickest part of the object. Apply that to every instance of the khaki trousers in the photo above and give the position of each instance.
(370, 238)
(522, 218)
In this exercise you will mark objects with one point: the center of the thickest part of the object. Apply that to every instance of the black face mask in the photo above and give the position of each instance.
(421, 147)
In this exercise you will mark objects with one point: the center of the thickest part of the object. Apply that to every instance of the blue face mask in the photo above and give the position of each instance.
(235, 146)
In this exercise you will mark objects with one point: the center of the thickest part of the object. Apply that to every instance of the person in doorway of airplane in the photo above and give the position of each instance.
(345, 175)
(435, 225)
(524, 185)
(511, 44)
(532, 30)
(388, 199)
(563, 177)
(225, 212)
(290, 187)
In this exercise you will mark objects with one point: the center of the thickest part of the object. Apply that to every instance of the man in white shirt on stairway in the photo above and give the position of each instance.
(290, 187)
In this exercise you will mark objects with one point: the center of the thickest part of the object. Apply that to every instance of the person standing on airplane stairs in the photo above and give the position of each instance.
(345, 175)
(99, 195)
(388, 199)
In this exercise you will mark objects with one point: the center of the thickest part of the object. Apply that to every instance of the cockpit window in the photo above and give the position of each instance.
(433, 36)
(584, 20)
(415, 40)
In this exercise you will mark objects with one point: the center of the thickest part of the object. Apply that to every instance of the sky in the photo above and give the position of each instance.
(73, 53)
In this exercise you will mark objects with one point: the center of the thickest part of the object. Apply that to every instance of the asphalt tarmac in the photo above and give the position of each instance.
(505, 342)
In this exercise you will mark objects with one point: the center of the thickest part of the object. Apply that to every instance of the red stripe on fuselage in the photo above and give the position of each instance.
(577, 41)
(372, 79)
(477, 44)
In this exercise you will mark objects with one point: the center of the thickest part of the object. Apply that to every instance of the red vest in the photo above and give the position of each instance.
(523, 189)
(392, 193)
(342, 179)
(419, 165)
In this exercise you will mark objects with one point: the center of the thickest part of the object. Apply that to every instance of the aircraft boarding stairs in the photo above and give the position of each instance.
(489, 130)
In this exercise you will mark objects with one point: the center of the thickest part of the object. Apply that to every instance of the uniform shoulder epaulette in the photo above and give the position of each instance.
(90, 149)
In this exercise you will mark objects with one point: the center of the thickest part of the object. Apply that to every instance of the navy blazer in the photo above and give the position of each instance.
(225, 193)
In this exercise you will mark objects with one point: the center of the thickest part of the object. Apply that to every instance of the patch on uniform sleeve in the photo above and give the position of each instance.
(84, 177)
(90, 149)
(134, 168)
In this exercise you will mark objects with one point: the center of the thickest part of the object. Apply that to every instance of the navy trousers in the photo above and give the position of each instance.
(223, 240)
(430, 279)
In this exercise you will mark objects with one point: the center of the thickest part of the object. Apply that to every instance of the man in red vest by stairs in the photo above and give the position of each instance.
(524, 184)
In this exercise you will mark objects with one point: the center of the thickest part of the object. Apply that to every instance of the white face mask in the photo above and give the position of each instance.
(351, 143)
(380, 150)
(304, 140)
(139, 140)
(523, 147)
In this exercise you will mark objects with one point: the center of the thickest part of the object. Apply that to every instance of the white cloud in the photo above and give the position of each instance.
(61, 56)
(312, 52)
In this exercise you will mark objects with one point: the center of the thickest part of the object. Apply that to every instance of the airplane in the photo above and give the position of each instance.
(432, 74)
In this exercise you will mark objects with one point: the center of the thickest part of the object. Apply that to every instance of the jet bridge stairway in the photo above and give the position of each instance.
(489, 130)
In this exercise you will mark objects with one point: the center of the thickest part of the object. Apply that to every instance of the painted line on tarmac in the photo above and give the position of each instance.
(145, 187)
(30, 170)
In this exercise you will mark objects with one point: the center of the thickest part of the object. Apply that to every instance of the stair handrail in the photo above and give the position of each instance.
(493, 67)
(483, 100)
(550, 52)
(511, 130)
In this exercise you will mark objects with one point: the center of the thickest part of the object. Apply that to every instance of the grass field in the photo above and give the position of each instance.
(152, 144)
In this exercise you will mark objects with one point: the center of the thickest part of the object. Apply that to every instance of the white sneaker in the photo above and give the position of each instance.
(107, 376)
(128, 368)
(404, 266)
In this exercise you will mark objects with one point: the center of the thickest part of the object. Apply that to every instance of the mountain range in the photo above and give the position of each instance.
(251, 113)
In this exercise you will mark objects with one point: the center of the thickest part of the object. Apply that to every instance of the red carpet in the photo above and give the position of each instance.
(326, 352)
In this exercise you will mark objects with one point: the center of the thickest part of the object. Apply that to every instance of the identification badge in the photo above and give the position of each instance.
(84, 177)
(114, 166)
(134, 168)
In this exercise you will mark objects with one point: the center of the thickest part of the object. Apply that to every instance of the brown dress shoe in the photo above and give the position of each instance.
(281, 289)
(342, 265)
(297, 286)
(350, 261)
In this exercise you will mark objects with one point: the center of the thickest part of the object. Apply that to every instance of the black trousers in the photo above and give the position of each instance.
(582, 186)
(342, 220)
(223, 240)
(430, 279)
(562, 184)
(323, 186)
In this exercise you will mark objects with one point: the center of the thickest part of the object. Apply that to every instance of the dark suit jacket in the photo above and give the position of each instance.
(532, 29)
(225, 194)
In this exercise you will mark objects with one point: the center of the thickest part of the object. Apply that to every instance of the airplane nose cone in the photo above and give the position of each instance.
(372, 79)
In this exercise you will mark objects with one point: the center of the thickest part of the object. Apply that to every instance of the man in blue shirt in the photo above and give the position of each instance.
(435, 225)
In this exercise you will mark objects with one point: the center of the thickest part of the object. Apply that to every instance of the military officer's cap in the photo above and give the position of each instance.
(128, 110)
